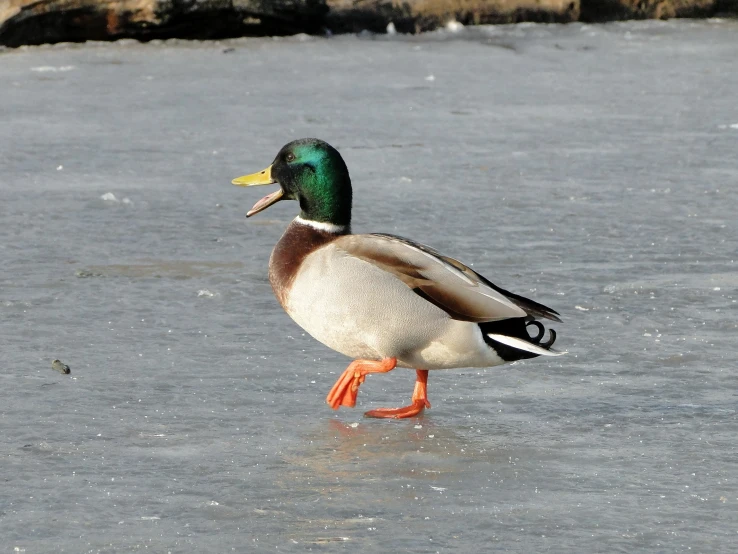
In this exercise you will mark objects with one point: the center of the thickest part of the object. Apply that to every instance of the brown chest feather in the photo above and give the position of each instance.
(297, 242)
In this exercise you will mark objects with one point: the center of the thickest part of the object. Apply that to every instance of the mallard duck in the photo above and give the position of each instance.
(383, 300)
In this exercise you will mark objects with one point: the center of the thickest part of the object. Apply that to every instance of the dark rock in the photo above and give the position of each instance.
(608, 10)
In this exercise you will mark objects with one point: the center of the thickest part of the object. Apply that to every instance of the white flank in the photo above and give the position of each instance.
(523, 345)
(321, 226)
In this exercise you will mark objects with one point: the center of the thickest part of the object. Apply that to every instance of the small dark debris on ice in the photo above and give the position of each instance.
(57, 365)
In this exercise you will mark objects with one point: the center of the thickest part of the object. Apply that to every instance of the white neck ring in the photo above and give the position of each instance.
(321, 225)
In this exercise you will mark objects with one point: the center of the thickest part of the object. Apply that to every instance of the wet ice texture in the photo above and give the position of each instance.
(591, 168)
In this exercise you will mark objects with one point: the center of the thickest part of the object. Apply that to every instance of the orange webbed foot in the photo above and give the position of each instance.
(345, 390)
(416, 408)
(420, 401)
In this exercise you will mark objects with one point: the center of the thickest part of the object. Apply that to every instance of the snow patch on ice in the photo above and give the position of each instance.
(110, 197)
(454, 26)
(206, 293)
(52, 69)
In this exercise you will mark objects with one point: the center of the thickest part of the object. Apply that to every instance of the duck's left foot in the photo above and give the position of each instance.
(416, 408)
(420, 401)
(346, 388)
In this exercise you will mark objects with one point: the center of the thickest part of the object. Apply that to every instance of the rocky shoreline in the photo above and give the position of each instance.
(26, 22)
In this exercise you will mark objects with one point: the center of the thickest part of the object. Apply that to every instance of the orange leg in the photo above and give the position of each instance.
(346, 388)
(420, 401)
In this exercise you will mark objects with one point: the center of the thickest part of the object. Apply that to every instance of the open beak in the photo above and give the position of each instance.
(261, 178)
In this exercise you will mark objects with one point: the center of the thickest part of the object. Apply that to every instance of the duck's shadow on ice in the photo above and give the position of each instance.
(344, 454)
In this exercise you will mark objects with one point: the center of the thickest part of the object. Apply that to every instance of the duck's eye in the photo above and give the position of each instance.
(290, 157)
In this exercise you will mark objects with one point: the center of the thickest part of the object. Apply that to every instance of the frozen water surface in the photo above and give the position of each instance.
(592, 168)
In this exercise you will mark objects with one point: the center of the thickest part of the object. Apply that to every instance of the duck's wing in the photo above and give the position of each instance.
(445, 282)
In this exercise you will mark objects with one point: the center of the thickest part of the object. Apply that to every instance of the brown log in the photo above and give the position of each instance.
(424, 15)
(42, 21)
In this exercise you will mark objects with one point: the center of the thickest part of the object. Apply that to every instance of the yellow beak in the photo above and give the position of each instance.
(261, 178)
(264, 177)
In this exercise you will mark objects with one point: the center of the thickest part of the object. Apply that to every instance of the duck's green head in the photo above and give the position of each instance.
(313, 173)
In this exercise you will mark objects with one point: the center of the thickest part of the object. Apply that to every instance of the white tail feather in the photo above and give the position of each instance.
(523, 345)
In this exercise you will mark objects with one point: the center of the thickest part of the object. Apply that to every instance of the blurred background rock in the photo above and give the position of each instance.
(47, 21)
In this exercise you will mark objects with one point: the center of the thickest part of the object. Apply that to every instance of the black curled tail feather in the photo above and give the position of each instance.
(541, 331)
(518, 328)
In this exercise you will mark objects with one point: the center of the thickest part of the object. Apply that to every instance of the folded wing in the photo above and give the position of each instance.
(461, 292)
